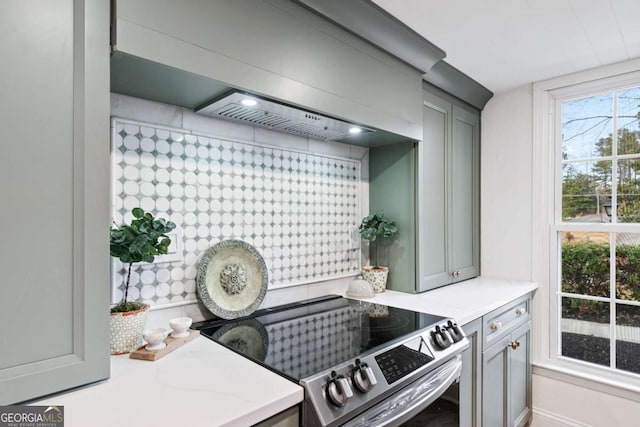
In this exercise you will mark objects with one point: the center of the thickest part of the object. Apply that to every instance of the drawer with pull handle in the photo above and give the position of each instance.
(504, 319)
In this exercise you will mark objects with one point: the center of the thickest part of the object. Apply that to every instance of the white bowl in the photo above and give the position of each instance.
(155, 338)
(180, 326)
(360, 288)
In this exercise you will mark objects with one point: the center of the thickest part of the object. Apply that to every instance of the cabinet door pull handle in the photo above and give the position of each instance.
(513, 345)
(495, 325)
(520, 310)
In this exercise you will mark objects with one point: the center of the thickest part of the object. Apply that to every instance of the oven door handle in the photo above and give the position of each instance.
(412, 399)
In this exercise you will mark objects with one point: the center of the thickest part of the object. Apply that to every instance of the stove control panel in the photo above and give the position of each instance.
(402, 360)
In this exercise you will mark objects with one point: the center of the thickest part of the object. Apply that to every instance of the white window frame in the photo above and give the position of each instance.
(547, 177)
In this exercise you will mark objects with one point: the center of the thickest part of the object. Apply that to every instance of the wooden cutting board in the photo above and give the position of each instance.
(172, 343)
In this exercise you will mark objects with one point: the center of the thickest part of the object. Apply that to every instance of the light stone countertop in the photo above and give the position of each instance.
(199, 384)
(204, 384)
(464, 301)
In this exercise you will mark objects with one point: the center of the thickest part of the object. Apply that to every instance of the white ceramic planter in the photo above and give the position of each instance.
(378, 310)
(377, 277)
(127, 329)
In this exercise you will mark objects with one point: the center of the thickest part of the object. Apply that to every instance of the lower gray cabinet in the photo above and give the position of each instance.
(506, 383)
(470, 387)
(495, 383)
(520, 377)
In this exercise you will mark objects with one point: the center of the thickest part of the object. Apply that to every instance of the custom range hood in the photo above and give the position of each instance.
(256, 111)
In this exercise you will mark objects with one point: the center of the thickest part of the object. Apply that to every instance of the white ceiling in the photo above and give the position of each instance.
(506, 43)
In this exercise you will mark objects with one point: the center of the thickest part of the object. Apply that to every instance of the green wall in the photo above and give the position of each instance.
(392, 191)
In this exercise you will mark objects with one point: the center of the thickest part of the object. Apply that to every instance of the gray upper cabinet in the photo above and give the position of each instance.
(54, 169)
(448, 199)
(464, 177)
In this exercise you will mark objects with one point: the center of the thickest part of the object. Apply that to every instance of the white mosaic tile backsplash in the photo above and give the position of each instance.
(298, 209)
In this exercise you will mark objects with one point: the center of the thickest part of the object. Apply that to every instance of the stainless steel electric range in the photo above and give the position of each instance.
(360, 363)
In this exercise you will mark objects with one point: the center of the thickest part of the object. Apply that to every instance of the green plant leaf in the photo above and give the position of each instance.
(140, 240)
(137, 213)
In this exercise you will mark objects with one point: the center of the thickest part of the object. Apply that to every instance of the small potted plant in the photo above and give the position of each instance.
(374, 228)
(139, 241)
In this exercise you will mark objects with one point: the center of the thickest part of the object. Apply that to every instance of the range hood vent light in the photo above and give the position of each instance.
(278, 117)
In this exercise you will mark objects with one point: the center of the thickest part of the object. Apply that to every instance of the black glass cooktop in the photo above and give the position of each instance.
(299, 340)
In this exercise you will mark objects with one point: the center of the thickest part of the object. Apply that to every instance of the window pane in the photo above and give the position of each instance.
(628, 266)
(585, 191)
(628, 337)
(585, 330)
(628, 128)
(628, 190)
(586, 123)
(585, 263)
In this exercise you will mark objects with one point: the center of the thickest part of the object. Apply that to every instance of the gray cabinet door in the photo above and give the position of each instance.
(506, 380)
(519, 377)
(433, 224)
(495, 385)
(464, 193)
(449, 216)
(54, 167)
(471, 377)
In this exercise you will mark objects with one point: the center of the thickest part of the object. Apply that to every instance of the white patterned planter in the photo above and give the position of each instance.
(378, 310)
(377, 277)
(126, 330)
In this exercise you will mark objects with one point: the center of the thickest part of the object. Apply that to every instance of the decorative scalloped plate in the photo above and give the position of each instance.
(232, 279)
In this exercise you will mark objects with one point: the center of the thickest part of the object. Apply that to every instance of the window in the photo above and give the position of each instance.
(596, 226)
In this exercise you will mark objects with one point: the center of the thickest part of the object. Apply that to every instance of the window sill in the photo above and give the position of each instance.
(613, 383)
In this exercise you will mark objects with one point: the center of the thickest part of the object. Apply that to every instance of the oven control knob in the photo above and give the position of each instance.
(454, 331)
(338, 390)
(363, 377)
(441, 337)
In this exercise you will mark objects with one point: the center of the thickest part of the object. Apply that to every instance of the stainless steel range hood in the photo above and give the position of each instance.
(256, 111)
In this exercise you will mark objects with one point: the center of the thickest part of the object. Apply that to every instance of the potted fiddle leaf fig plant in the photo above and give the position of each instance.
(376, 228)
(139, 241)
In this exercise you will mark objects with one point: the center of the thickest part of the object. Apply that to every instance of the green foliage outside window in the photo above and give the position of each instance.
(586, 271)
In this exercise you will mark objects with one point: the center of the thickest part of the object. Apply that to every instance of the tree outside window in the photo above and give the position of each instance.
(600, 190)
